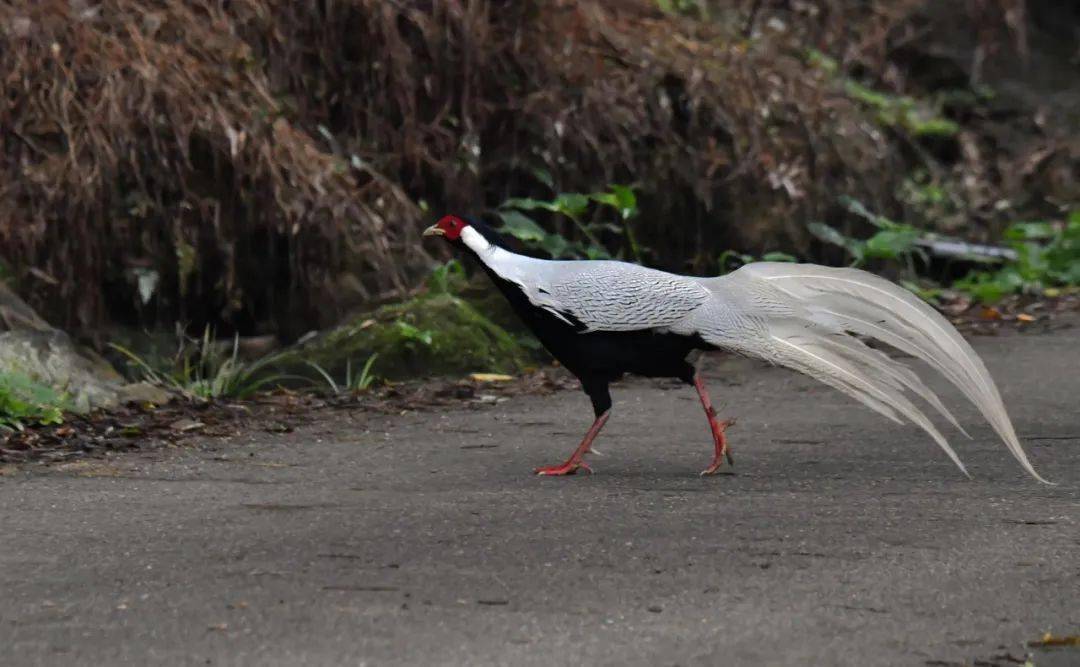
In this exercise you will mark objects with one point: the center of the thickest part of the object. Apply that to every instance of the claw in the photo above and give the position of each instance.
(722, 450)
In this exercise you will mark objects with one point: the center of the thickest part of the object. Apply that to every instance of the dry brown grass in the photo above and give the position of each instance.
(150, 134)
(267, 157)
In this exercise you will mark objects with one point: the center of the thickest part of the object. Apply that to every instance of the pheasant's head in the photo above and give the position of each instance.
(449, 227)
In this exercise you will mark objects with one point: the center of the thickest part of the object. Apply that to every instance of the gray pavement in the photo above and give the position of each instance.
(422, 539)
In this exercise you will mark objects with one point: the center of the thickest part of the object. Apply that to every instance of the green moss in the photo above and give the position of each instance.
(433, 334)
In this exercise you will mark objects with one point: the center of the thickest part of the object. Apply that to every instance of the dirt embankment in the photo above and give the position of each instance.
(264, 165)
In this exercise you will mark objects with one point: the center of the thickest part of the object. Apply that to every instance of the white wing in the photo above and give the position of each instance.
(613, 296)
(601, 295)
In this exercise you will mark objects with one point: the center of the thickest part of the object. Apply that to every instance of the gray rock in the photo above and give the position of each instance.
(144, 392)
(30, 347)
(50, 357)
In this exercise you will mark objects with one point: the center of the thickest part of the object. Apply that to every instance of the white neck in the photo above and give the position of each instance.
(504, 263)
(476, 241)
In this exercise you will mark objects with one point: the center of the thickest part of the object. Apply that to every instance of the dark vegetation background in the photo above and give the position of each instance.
(266, 166)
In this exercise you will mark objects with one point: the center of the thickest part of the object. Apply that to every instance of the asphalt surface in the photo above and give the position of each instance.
(422, 539)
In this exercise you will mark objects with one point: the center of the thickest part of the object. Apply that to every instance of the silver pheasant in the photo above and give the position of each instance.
(601, 318)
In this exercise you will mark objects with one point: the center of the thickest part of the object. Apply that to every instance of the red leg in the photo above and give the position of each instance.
(719, 439)
(577, 459)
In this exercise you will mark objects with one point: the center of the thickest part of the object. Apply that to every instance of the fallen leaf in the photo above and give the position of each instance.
(1050, 640)
(219, 627)
(491, 377)
(1024, 317)
(990, 314)
(7, 470)
(186, 424)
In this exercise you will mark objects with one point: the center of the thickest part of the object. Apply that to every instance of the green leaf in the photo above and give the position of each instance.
(556, 246)
(892, 243)
(544, 176)
(521, 227)
(409, 332)
(730, 260)
(26, 401)
(930, 294)
(1030, 231)
(448, 278)
(932, 127)
(778, 257)
(822, 61)
(571, 204)
(858, 208)
(828, 234)
(597, 252)
(528, 204)
(867, 96)
(621, 198)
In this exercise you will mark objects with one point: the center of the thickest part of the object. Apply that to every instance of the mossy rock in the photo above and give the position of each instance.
(51, 359)
(434, 334)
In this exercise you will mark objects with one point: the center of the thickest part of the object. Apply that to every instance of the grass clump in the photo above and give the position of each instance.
(204, 369)
(438, 332)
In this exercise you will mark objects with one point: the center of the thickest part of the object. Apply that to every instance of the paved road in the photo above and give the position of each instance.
(842, 539)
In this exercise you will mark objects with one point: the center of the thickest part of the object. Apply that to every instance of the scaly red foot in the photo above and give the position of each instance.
(568, 468)
(722, 449)
(577, 459)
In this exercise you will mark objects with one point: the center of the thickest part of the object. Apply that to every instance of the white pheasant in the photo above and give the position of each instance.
(602, 319)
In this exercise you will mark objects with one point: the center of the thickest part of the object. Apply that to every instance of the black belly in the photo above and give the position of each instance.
(606, 356)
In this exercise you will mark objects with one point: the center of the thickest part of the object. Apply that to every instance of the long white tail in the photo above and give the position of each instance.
(806, 313)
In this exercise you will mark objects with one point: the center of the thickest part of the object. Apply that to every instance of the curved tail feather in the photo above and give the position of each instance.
(805, 315)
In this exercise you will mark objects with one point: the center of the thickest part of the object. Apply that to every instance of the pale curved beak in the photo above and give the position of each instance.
(434, 231)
